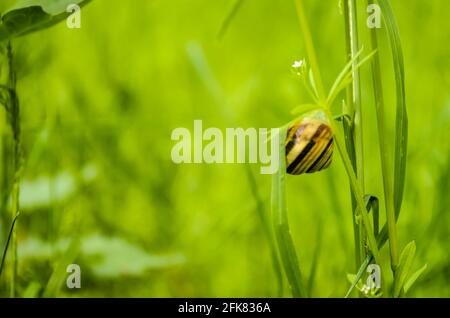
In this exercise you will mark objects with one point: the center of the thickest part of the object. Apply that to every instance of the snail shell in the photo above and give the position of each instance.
(309, 146)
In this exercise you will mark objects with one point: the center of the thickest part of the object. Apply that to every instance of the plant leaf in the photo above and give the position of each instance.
(411, 280)
(357, 277)
(342, 79)
(265, 220)
(404, 266)
(281, 225)
(401, 130)
(59, 273)
(5, 251)
(32, 15)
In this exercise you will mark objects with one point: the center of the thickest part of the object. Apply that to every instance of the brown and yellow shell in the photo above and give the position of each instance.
(309, 146)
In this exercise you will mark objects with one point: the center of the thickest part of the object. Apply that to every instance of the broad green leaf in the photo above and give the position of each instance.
(281, 225)
(411, 280)
(401, 130)
(28, 16)
(53, 7)
(404, 266)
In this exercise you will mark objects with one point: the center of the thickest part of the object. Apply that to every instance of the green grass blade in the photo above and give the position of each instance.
(59, 273)
(401, 131)
(262, 214)
(404, 267)
(358, 276)
(413, 278)
(5, 251)
(373, 205)
(315, 259)
(281, 225)
(310, 50)
(229, 18)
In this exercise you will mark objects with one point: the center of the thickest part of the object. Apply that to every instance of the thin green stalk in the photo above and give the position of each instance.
(310, 50)
(8, 241)
(358, 194)
(355, 90)
(14, 110)
(350, 129)
(384, 152)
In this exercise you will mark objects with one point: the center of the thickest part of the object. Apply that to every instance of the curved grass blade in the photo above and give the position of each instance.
(373, 204)
(281, 225)
(5, 251)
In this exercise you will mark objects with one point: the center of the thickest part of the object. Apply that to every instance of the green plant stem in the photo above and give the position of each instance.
(355, 90)
(384, 152)
(352, 131)
(14, 110)
(310, 50)
(357, 193)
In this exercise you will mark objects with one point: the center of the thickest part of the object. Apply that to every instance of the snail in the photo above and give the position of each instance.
(309, 144)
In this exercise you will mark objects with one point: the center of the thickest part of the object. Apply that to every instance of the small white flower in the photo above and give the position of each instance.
(298, 64)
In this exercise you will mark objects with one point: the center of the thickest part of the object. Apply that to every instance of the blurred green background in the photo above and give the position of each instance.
(99, 188)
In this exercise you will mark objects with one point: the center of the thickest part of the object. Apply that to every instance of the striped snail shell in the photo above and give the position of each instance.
(309, 144)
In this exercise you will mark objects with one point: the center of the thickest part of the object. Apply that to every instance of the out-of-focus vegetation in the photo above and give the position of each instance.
(98, 105)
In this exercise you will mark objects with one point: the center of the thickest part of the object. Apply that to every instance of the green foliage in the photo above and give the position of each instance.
(97, 116)
(286, 246)
(28, 16)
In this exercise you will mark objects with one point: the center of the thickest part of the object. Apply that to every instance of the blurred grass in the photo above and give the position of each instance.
(107, 97)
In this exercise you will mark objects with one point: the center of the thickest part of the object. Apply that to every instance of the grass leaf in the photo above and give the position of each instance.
(5, 251)
(345, 75)
(229, 18)
(411, 280)
(262, 214)
(401, 130)
(404, 266)
(281, 225)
